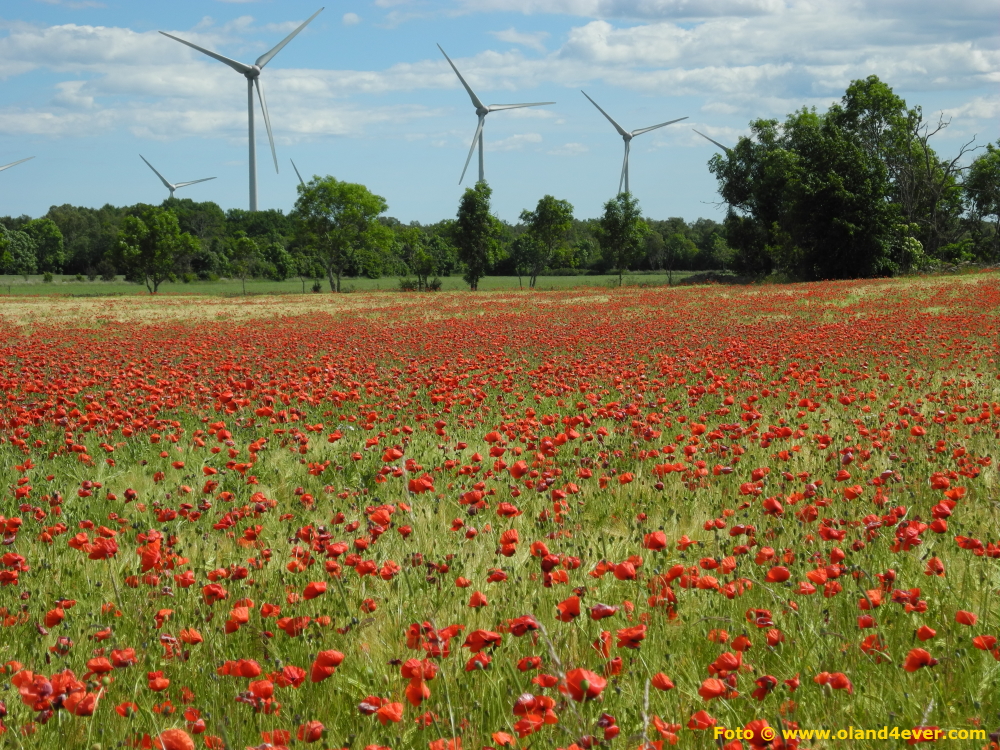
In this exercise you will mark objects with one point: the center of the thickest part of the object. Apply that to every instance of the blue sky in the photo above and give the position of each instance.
(363, 93)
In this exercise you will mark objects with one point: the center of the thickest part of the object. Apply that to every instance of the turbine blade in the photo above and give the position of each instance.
(301, 181)
(14, 164)
(724, 148)
(268, 56)
(619, 128)
(267, 120)
(498, 107)
(163, 179)
(235, 65)
(472, 94)
(640, 131)
(475, 140)
(179, 185)
(621, 180)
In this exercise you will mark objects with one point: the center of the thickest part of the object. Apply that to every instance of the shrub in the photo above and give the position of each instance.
(408, 284)
(47, 277)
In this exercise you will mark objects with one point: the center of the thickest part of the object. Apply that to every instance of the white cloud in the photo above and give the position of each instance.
(513, 143)
(569, 149)
(533, 40)
(351, 19)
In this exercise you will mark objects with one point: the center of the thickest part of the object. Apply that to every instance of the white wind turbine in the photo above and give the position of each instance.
(252, 74)
(14, 164)
(724, 148)
(481, 110)
(627, 137)
(171, 186)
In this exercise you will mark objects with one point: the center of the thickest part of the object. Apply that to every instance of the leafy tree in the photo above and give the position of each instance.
(206, 220)
(49, 247)
(445, 254)
(244, 257)
(622, 232)
(340, 220)
(477, 233)
(523, 252)
(982, 186)
(151, 245)
(17, 253)
(680, 253)
(277, 261)
(548, 226)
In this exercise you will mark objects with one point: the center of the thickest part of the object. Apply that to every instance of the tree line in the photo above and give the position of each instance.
(338, 230)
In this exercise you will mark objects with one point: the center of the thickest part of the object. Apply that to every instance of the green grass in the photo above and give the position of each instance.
(69, 286)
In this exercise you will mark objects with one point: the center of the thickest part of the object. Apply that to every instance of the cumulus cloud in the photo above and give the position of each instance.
(350, 19)
(533, 40)
(512, 143)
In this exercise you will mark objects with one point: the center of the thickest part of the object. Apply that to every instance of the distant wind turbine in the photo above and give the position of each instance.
(171, 186)
(627, 137)
(252, 74)
(301, 181)
(14, 164)
(481, 110)
(724, 148)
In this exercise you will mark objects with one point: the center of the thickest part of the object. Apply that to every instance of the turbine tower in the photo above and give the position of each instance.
(252, 74)
(14, 164)
(728, 150)
(627, 137)
(170, 186)
(481, 110)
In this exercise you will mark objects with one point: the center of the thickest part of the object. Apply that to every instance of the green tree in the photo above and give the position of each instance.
(17, 253)
(523, 252)
(477, 233)
(244, 257)
(277, 261)
(151, 245)
(49, 247)
(982, 188)
(622, 232)
(340, 220)
(548, 225)
(679, 252)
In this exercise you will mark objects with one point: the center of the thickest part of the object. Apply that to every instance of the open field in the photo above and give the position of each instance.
(69, 286)
(590, 517)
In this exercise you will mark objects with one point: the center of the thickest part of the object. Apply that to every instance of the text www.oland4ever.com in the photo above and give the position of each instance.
(926, 734)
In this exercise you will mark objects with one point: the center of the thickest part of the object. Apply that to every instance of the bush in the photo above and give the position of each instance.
(91, 274)
(80, 277)
(107, 270)
(408, 285)
(434, 285)
(317, 286)
(47, 277)
(189, 277)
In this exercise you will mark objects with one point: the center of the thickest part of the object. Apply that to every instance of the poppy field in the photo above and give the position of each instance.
(573, 519)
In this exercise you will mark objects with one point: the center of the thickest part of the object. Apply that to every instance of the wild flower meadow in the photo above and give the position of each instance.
(578, 519)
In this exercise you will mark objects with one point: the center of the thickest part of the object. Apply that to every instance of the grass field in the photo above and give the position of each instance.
(617, 518)
(68, 285)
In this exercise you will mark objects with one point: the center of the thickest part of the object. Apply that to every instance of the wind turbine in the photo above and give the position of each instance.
(724, 148)
(14, 164)
(252, 74)
(171, 187)
(627, 137)
(481, 110)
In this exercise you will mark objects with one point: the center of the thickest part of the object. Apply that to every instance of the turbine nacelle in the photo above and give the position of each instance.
(253, 73)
